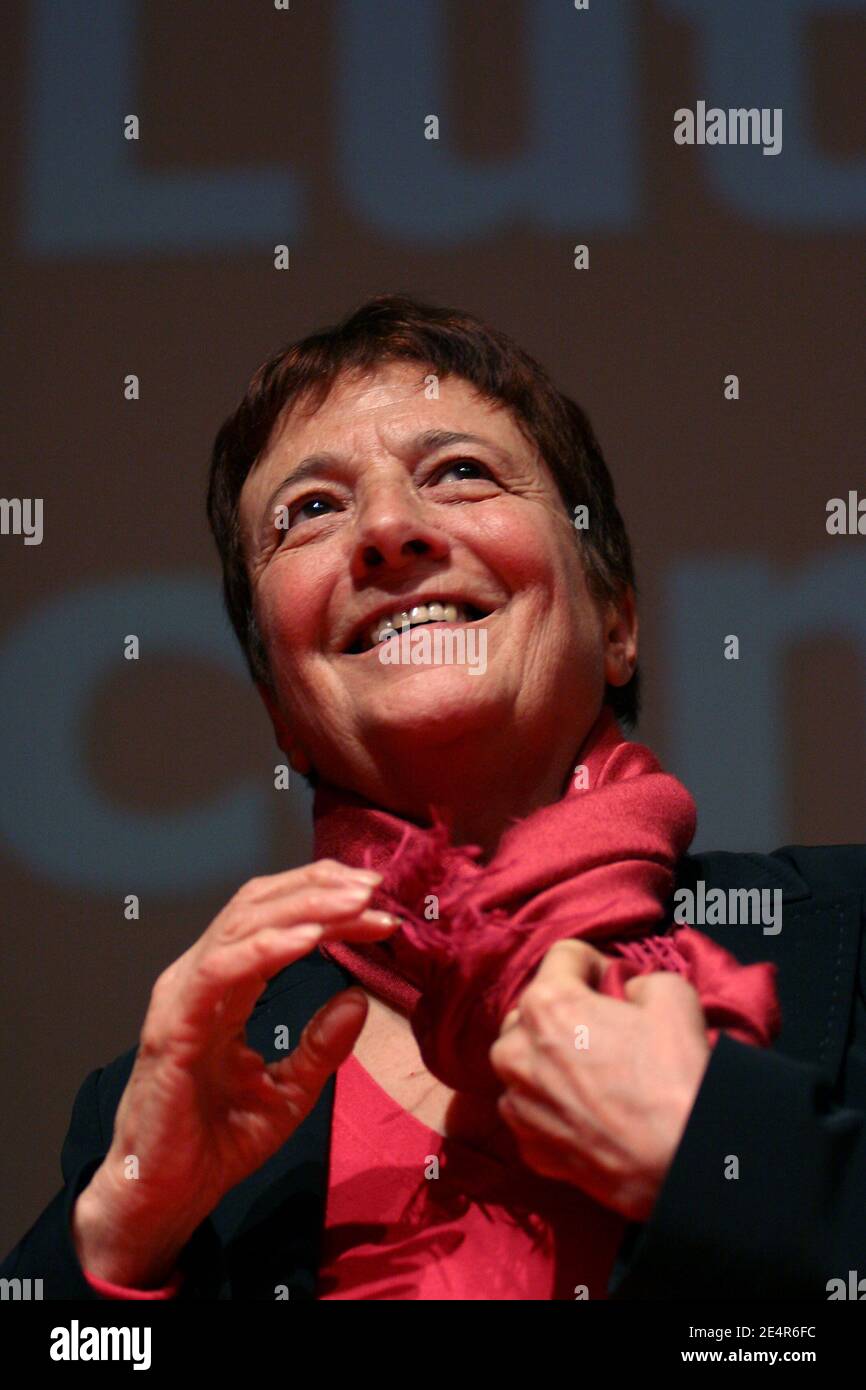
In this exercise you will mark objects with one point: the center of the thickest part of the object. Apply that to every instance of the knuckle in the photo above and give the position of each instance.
(151, 1043)
(261, 945)
(293, 1104)
(315, 1033)
(539, 1000)
(684, 986)
(506, 1054)
(669, 981)
(688, 998)
(314, 875)
(206, 970)
(165, 985)
(570, 947)
(235, 923)
(312, 1043)
(324, 868)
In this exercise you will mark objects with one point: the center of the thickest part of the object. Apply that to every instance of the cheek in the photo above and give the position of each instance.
(521, 543)
(543, 560)
(290, 609)
(573, 621)
(293, 592)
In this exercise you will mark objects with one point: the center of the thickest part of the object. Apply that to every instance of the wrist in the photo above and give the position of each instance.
(121, 1238)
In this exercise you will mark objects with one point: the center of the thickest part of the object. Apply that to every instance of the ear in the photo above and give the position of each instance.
(620, 637)
(298, 759)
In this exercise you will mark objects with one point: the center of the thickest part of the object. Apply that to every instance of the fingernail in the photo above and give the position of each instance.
(381, 919)
(303, 934)
(367, 875)
(358, 894)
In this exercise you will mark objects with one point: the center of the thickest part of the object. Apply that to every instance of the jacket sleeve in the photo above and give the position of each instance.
(47, 1251)
(794, 1216)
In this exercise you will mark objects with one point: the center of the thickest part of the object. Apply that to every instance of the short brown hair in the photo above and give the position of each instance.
(392, 327)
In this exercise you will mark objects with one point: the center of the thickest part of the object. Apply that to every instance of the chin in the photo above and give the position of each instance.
(440, 704)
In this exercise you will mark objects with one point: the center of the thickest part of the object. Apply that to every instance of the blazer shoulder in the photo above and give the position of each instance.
(839, 867)
(801, 871)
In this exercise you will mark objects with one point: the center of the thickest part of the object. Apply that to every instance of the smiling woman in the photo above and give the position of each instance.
(511, 1073)
(387, 520)
(414, 467)
(413, 454)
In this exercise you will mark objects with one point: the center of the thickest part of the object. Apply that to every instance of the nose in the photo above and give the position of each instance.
(393, 530)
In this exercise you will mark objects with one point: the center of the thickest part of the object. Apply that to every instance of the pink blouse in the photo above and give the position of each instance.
(411, 1214)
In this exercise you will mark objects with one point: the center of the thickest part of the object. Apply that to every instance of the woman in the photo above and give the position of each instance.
(476, 832)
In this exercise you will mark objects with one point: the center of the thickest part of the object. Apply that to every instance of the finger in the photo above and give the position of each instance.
(568, 978)
(325, 1043)
(370, 925)
(663, 989)
(222, 984)
(576, 961)
(535, 1071)
(255, 958)
(533, 1120)
(322, 873)
(288, 909)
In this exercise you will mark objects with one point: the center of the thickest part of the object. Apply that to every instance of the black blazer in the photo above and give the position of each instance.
(795, 1116)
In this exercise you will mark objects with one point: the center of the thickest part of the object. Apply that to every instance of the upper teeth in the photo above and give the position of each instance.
(409, 617)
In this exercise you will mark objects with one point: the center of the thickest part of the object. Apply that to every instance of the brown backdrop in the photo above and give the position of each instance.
(683, 287)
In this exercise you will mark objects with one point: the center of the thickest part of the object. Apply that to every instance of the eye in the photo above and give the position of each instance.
(465, 470)
(309, 509)
(306, 509)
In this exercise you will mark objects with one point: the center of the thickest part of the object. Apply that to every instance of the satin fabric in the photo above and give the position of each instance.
(415, 1215)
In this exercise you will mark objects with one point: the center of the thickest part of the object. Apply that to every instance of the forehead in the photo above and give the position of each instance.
(380, 411)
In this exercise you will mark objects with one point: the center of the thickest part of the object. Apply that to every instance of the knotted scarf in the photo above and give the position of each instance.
(598, 865)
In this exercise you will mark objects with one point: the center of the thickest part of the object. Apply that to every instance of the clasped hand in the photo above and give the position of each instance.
(598, 1090)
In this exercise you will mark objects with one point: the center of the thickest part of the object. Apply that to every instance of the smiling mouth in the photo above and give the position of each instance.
(390, 624)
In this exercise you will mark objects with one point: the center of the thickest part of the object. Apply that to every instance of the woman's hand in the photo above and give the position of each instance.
(599, 1090)
(201, 1109)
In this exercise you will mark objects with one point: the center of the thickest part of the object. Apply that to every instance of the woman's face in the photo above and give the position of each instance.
(367, 509)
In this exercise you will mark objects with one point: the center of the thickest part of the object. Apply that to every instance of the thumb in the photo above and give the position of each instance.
(325, 1043)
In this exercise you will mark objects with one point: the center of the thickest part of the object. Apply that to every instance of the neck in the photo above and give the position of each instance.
(480, 786)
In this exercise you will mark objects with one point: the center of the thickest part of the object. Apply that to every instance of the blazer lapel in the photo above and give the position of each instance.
(271, 1224)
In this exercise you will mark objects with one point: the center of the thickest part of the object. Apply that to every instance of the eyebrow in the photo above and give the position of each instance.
(315, 465)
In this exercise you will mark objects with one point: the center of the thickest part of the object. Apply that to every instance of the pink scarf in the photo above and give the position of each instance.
(598, 865)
